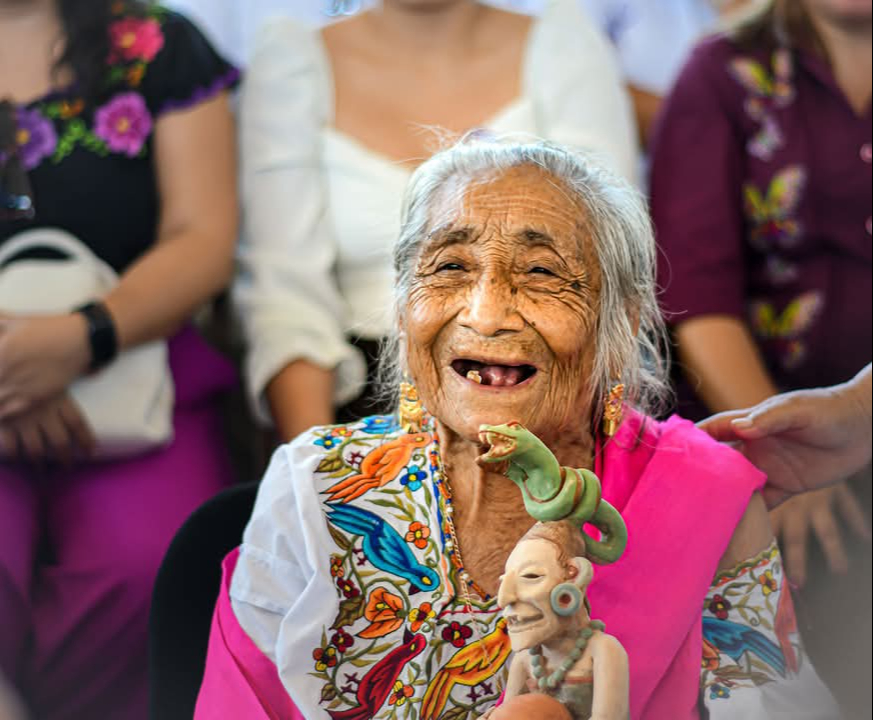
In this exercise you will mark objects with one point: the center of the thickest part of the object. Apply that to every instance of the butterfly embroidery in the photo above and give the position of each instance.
(772, 213)
(768, 90)
(786, 328)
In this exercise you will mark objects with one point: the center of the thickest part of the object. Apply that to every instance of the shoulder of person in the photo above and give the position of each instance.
(605, 646)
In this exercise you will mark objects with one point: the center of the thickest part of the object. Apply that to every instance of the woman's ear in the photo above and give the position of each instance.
(585, 572)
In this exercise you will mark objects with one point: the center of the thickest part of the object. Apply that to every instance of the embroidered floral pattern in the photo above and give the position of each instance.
(401, 635)
(36, 138)
(768, 90)
(124, 124)
(785, 329)
(773, 213)
(749, 628)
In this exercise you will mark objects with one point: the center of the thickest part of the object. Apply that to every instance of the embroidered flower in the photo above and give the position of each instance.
(400, 694)
(420, 615)
(434, 457)
(324, 658)
(348, 588)
(135, 75)
(380, 425)
(135, 39)
(341, 432)
(719, 692)
(356, 458)
(70, 108)
(36, 137)
(418, 535)
(768, 583)
(457, 634)
(342, 641)
(719, 606)
(385, 612)
(328, 442)
(124, 123)
(336, 566)
(413, 478)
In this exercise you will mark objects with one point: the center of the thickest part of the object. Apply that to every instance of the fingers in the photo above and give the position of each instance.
(30, 442)
(791, 521)
(78, 427)
(721, 426)
(8, 442)
(852, 511)
(13, 405)
(826, 529)
(58, 438)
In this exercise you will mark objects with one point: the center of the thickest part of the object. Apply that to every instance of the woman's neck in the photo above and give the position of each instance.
(442, 27)
(489, 513)
(848, 46)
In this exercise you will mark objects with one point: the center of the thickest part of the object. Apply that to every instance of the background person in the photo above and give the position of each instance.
(123, 126)
(333, 123)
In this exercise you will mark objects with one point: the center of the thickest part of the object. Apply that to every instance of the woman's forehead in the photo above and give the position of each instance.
(521, 199)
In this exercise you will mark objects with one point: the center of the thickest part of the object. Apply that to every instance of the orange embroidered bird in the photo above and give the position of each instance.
(382, 465)
(469, 666)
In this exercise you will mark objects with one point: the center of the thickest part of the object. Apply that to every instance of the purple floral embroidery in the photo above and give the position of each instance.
(124, 123)
(36, 137)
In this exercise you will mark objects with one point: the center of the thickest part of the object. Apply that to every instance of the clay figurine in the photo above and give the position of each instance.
(559, 651)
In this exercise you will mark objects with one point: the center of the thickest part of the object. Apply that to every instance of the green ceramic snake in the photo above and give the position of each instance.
(552, 492)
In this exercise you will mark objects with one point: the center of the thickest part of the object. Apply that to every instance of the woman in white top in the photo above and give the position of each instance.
(333, 123)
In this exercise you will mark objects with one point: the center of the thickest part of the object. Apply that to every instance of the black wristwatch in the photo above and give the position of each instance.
(101, 334)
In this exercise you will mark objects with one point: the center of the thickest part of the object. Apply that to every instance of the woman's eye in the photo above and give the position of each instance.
(540, 270)
(450, 267)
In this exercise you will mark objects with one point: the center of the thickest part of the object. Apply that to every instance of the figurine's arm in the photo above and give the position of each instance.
(754, 665)
(519, 672)
(611, 684)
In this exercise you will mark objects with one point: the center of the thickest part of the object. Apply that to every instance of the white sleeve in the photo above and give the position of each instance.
(285, 291)
(580, 97)
(277, 583)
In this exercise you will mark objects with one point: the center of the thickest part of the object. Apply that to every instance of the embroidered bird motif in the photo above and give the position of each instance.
(382, 465)
(384, 547)
(469, 666)
(376, 685)
(735, 640)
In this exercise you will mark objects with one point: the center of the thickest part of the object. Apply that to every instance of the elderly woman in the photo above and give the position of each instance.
(365, 586)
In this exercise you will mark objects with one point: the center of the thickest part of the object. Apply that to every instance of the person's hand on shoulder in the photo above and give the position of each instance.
(804, 440)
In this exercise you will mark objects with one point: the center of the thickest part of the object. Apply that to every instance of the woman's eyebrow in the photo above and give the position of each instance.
(447, 235)
(535, 237)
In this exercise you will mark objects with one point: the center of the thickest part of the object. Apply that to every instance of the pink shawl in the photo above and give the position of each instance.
(681, 495)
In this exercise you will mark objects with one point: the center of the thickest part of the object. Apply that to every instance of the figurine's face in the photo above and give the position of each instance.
(532, 572)
(501, 316)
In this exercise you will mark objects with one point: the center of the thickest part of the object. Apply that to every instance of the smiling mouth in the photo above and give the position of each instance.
(493, 375)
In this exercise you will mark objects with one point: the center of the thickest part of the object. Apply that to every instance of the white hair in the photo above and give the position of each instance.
(621, 230)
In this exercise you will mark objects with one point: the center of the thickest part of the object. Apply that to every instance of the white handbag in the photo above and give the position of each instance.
(129, 403)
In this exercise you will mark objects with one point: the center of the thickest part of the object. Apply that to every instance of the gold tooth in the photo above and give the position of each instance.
(474, 376)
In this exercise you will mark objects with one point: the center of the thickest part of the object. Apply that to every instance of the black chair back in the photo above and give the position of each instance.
(184, 597)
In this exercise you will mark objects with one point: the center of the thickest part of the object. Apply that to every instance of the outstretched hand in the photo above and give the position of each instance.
(804, 440)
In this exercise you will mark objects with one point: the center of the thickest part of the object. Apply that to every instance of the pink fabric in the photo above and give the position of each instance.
(681, 505)
(239, 680)
(79, 551)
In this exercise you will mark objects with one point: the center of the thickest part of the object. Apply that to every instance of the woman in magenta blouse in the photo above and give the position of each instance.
(761, 187)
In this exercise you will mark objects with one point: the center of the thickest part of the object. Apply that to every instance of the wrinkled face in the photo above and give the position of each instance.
(532, 571)
(501, 316)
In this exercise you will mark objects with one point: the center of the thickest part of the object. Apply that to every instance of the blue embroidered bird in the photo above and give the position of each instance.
(735, 640)
(384, 547)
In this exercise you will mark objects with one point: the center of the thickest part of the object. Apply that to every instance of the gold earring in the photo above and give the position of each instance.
(410, 412)
(613, 409)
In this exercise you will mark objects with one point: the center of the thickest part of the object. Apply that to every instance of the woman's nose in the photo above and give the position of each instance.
(492, 308)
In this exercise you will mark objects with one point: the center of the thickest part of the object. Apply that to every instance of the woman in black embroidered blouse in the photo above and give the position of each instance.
(123, 127)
